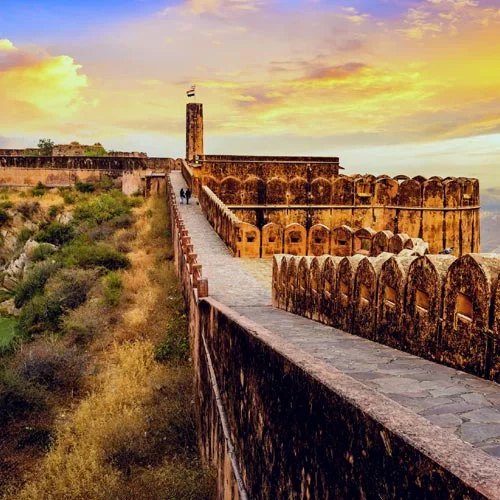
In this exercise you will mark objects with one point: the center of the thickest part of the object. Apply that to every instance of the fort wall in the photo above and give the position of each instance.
(276, 423)
(435, 306)
(292, 231)
(55, 171)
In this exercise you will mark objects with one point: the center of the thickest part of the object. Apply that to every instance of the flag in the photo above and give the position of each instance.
(191, 92)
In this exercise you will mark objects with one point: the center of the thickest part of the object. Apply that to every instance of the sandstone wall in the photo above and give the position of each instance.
(194, 130)
(434, 306)
(26, 171)
(247, 240)
(276, 423)
(444, 213)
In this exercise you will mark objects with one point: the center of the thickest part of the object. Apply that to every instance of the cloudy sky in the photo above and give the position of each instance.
(390, 86)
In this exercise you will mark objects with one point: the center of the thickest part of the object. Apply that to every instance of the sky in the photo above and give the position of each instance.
(391, 86)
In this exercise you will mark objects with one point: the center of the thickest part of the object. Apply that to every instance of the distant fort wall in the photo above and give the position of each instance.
(59, 171)
(434, 306)
(274, 422)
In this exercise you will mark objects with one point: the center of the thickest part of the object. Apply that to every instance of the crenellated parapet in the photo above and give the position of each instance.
(248, 240)
(434, 306)
(442, 212)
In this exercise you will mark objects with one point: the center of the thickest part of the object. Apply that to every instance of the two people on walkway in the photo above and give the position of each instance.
(185, 195)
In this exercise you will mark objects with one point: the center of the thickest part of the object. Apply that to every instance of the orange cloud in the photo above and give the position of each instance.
(36, 86)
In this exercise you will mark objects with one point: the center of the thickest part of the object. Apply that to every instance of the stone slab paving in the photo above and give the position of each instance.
(466, 405)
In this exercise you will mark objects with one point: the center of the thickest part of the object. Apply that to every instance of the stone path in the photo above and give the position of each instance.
(466, 405)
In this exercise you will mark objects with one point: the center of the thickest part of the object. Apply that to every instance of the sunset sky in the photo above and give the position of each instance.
(390, 86)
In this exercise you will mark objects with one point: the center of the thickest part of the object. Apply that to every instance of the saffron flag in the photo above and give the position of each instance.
(191, 92)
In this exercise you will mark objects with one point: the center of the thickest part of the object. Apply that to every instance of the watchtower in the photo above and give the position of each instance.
(194, 130)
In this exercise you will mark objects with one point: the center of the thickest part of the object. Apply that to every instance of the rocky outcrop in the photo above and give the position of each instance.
(15, 271)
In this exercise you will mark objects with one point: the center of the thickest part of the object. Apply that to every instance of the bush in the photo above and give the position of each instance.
(23, 236)
(56, 233)
(39, 189)
(40, 314)
(50, 364)
(42, 252)
(34, 282)
(84, 323)
(175, 345)
(55, 210)
(17, 397)
(4, 216)
(67, 290)
(85, 187)
(6, 205)
(70, 287)
(113, 288)
(28, 208)
(83, 254)
(68, 197)
(106, 183)
(102, 208)
(122, 222)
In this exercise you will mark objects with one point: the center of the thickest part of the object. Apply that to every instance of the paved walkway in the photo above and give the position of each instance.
(466, 405)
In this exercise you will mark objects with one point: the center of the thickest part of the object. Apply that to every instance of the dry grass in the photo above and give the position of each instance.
(134, 436)
(48, 199)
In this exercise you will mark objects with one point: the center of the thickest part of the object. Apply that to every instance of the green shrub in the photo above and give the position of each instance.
(106, 183)
(70, 287)
(34, 282)
(85, 187)
(56, 233)
(135, 201)
(175, 344)
(39, 189)
(85, 254)
(113, 287)
(41, 313)
(6, 205)
(55, 210)
(4, 216)
(68, 197)
(67, 290)
(23, 236)
(42, 252)
(101, 208)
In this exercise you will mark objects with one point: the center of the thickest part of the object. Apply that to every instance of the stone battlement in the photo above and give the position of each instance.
(290, 232)
(434, 306)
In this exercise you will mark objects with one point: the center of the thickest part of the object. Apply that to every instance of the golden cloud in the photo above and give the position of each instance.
(35, 85)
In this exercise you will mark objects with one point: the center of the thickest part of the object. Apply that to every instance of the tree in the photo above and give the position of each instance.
(46, 146)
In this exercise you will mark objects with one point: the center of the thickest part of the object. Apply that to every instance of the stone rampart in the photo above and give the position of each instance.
(444, 213)
(53, 171)
(277, 423)
(434, 306)
(247, 240)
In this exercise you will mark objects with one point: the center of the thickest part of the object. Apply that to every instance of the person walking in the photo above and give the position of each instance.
(182, 196)
(188, 195)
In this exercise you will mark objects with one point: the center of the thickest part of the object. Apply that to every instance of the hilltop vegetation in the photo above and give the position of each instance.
(95, 383)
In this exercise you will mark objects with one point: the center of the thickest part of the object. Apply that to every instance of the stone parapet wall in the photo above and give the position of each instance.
(444, 213)
(434, 306)
(247, 240)
(276, 423)
(27, 171)
(85, 163)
